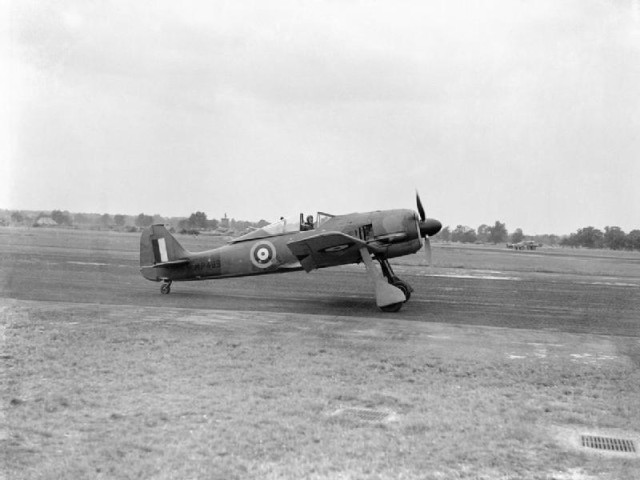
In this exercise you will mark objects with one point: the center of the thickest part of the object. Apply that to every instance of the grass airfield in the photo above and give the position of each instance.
(107, 384)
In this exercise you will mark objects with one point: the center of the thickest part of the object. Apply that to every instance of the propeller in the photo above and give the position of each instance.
(427, 226)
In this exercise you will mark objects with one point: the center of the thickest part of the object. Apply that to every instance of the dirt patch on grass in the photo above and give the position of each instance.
(93, 391)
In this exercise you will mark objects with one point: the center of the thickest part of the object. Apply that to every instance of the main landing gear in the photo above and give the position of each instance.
(391, 292)
(165, 288)
(393, 279)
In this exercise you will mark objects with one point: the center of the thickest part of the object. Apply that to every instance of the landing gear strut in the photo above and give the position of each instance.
(388, 297)
(165, 288)
(393, 279)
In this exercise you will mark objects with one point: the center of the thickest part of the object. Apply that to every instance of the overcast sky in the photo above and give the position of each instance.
(527, 112)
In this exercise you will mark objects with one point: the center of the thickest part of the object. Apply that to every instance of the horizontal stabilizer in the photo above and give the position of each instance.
(172, 264)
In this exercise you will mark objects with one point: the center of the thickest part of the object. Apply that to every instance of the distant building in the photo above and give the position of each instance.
(224, 222)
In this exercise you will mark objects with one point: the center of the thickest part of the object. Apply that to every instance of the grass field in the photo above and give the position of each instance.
(108, 391)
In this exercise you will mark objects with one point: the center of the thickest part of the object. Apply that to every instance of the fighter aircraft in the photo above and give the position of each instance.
(291, 244)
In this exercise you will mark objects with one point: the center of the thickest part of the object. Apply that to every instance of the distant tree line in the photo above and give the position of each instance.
(198, 221)
(496, 233)
(484, 234)
(64, 218)
(613, 238)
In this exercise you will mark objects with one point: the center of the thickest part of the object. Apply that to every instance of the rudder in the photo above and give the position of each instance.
(158, 246)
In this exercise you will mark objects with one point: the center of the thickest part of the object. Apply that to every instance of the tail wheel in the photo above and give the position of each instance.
(165, 289)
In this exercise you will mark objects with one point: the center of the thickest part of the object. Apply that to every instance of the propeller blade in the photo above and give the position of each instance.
(420, 207)
(427, 249)
(426, 227)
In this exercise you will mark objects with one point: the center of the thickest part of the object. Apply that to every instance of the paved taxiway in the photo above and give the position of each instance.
(533, 301)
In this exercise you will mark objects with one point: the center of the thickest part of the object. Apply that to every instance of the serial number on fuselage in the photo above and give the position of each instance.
(202, 265)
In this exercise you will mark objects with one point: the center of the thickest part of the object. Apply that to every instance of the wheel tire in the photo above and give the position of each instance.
(165, 289)
(405, 289)
(394, 307)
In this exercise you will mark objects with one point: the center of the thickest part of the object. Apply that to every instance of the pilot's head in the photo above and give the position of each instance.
(310, 219)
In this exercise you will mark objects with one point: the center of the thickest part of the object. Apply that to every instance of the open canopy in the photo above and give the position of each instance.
(290, 224)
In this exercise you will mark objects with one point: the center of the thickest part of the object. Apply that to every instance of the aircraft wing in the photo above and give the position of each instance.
(326, 249)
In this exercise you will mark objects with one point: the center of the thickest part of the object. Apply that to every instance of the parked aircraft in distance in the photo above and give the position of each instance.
(528, 245)
(292, 244)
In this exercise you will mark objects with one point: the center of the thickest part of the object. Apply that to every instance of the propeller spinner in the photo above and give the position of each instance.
(427, 226)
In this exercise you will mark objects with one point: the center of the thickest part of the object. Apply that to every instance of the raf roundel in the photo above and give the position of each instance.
(262, 254)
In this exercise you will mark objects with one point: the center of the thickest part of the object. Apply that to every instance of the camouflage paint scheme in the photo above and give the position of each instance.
(290, 245)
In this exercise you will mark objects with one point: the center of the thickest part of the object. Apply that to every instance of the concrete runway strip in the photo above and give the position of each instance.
(557, 303)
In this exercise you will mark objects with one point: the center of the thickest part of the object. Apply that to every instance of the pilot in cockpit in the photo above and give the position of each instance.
(308, 224)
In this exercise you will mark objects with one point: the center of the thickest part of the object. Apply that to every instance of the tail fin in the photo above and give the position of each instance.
(158, 246)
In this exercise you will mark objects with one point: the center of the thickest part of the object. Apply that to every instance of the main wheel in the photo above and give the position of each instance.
(394, 307)
(406, 289)
(165, 289)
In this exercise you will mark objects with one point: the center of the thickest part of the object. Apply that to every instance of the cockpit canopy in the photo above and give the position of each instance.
(291, 224)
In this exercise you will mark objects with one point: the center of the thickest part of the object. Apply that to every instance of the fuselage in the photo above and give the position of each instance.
(388, 233)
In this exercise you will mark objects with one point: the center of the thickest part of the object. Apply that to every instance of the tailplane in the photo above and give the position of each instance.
(159, 248)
